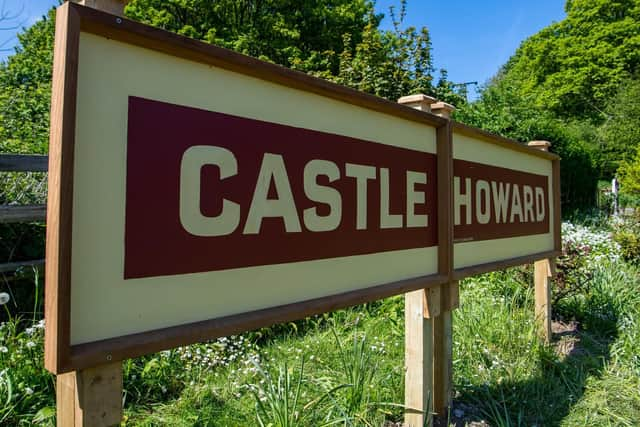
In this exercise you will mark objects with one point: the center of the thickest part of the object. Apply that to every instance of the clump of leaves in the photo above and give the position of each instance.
(627, 234)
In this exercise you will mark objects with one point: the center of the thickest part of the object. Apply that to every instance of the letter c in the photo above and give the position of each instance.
(191, 218)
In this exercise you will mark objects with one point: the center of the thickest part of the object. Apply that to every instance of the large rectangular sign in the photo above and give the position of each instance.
(196, 193)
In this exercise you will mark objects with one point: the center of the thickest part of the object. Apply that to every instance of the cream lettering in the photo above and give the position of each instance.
(322, 194)
(362, 174)
(516, 205)
(497, 202)
(282, 203)
(500, 200)
(461, 199)
(415, 198)
(191, 216)
(483, 217)
(540, 209)
(387, 220)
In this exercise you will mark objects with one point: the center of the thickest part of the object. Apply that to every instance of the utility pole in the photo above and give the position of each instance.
(464, 88)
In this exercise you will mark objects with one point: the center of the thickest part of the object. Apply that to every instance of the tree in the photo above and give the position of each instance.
(502, 109)
(560, 85)
(629, 174)
(620, 134)
(25, 90)
(573, 67)
(307, 35)
(338, 40)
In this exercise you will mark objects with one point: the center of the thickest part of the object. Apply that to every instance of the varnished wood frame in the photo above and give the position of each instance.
(60, 355)
(57, 310)
(461, 273)
(557, 210)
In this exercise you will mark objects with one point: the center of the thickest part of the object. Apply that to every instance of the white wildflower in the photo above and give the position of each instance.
(4, 298)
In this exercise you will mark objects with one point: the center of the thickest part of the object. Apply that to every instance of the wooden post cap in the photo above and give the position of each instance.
(442, 109)
(115, 7)
(540, 145)
(419, 101)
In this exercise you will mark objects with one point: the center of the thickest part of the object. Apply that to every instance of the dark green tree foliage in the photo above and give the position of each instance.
(338, 40)
(620, 134)
(629, 173)
(561, 85)
(501, 109)
(574, 66)
(25, 91)
(301, 34)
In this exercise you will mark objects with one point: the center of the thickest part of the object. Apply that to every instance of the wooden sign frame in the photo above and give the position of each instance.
(60, 355)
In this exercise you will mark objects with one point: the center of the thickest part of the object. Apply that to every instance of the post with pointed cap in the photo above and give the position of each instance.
(442, 109)
(420, 307)
(428, 327)
(543, 272)
(442, 393)
(419, 101)
(93, 396)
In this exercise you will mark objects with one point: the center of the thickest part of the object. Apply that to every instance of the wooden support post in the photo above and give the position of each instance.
(91, 397)
(442, 363)
(428, 352)
(428, 326)
(418, 360)
(443, 350)
(543, 272)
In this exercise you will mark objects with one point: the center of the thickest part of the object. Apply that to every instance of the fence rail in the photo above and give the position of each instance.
(13, 266)
(23, 163)
(22, 213)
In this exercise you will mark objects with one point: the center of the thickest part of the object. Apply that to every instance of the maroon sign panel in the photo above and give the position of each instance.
(209, 191)
(493, 203)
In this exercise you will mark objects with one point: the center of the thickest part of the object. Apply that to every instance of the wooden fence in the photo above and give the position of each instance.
(22, 213)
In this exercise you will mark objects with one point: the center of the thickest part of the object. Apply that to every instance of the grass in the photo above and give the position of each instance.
(346, 368)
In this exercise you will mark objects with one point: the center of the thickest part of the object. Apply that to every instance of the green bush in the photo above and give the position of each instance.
(627, 234)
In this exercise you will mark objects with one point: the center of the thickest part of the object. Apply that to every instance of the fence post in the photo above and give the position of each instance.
(93, 396)
(543, 271)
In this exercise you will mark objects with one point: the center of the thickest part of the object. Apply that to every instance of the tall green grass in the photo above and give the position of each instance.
(347, 368)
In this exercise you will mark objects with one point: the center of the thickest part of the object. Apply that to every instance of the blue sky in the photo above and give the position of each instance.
(470, 38)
